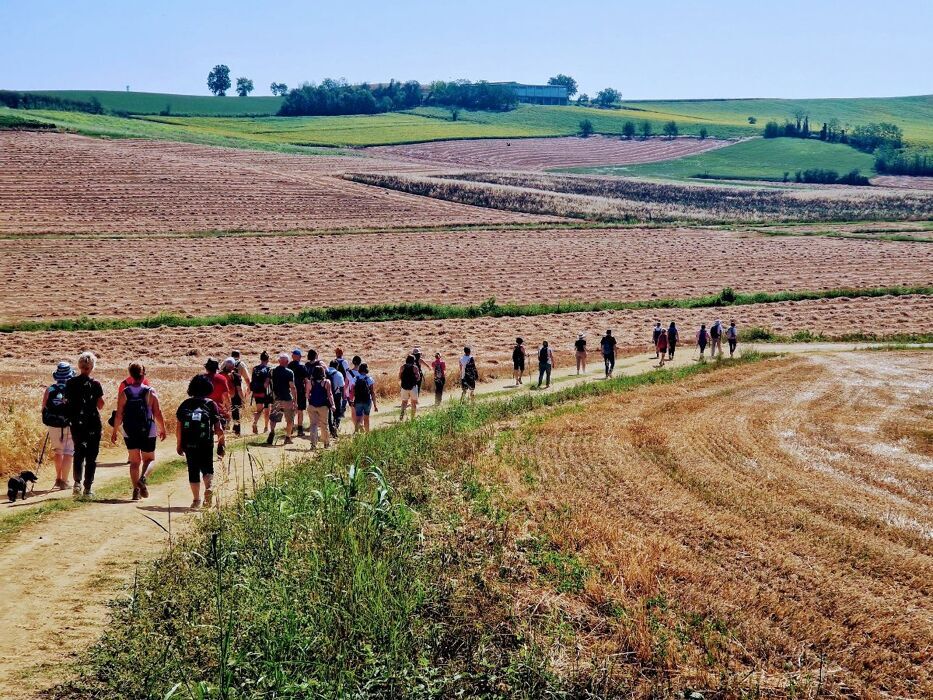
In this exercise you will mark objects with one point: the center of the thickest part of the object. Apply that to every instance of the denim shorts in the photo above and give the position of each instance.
(362, 409)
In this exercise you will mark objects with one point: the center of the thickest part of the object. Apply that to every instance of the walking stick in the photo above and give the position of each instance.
(45, 444)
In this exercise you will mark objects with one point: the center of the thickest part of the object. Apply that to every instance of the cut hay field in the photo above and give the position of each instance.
(540, 154)
(761, 531)
(61, 183)
(756, 159)
(269, 274)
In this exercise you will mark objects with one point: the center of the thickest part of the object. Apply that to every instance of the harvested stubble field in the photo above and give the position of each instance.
(914, 183)
(385, 344)
(540, 154)
(620, 199)
(62, 183)
(272, 274)
(762, 531)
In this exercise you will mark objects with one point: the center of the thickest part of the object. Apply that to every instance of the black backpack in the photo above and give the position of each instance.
(361, 390)
(543, 356)
(197, 425)
(259, 380)
(55, 412)
(85, 418)
(470, 371)
(136, 417)
(409, 376)
(517, 353)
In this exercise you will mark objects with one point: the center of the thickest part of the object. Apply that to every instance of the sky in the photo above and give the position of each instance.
(648, 50)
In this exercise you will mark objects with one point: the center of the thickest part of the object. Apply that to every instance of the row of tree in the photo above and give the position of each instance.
(865, 137)
(29, 100)
(646, 130)
(900, 162)
(218, 82)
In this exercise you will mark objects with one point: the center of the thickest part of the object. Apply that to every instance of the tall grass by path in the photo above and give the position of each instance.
(326, 581)
(430, 312)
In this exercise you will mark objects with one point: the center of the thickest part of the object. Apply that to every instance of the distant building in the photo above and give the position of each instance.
(539, 94)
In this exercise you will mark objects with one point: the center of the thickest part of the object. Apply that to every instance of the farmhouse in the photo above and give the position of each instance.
(539, 94)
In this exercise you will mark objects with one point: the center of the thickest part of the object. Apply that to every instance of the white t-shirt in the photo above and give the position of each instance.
(464, 361)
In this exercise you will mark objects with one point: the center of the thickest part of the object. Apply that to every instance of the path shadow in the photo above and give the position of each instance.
(167, 509)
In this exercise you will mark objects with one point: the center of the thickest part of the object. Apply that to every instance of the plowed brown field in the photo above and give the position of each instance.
(539, 154)
(200, 276)
(69, 184)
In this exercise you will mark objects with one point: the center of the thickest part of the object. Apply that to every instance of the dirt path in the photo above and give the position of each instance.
(58, 575)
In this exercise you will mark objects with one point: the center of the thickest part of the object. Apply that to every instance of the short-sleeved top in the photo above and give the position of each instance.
(608, 344)
(580, 344)
(656, 333)
(464, 361)
(439, 367)
(129, 380)
(281, 378)
(83, 391)
(732, 332)
(222, 388)
(192, 403)
(336, 378)
(300, 372)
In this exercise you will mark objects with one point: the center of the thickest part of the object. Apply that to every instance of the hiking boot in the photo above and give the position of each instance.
(271, 438)
(196, 504)
(88, 493)
(287, 441)
(136, 494)
(76, 490)
(208, 497)
(143, 488)
(301, 431)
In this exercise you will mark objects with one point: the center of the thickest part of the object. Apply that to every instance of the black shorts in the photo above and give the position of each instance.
(146, 444)
(301, 403)
(518, 365)
(200, 461)
(263, 401)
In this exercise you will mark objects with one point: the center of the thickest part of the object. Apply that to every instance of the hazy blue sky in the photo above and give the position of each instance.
(677, 48)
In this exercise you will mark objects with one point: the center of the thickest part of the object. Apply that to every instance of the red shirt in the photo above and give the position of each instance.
(129, 380)
(222, 388)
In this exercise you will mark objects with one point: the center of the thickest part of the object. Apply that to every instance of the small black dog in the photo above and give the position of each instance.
(17, 485)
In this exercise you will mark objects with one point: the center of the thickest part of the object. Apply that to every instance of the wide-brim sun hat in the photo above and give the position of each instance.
(63, 372)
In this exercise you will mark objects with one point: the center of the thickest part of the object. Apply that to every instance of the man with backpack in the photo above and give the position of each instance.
(608, 347)
(732, 335)
(655, 334)
(715, 339)
(338, 382)
(198, 423)
(364, 397)
(545, 364)
(260, 386)
(220, 394)
(238, 375)
(469, 374)
(409, 375)
(284, 391)
(300, 373)
(579, 347)
(139, 418)
(320, 405)
(702, 339)
(85, 398)
(56, 418)
(518, 360)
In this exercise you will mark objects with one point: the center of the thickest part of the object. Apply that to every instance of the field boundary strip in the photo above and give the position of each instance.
(434, 312)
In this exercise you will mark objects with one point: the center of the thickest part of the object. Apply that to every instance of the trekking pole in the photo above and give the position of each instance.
(45, 444)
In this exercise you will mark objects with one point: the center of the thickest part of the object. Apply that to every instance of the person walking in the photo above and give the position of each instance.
(518, 360)
(56, 418)
(422, 366)
(732, 336)
(655, 334)
(409, 376)
(469, 374)
(608, 347)
(220, 394)
(579, 347)
(139, 419)
(364, 398)
(198, 424)
(715, 338)
(673, 336)
(85, 398)
(300, 374)
(338, 383)
(545, 364)
(284, 392)
(260, 387)
(702, 339)
(320, 405)
(440, 378)
(662, 347)
(239, 377)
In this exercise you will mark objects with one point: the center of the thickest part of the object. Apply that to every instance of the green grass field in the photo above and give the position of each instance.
(913, 114)
(156, 102)
(758, 159)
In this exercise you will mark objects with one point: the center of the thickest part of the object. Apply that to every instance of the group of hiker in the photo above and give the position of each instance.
(296, 384)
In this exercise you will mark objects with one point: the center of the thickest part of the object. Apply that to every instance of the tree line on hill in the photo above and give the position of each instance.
(29, 100)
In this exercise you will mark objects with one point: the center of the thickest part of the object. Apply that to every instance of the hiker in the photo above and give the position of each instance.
(284, 392)
(320, 405)
(139, 419)
(662, 347)
(673, 335)
(56, 418)
(409, 376)
(313, 361)
(198, 423)
(440, 378)
(468, 374)
(579, 347)
(364, 398)
(545, 364)
(702, 339)
(732, 336)
(715, 338)
(422, 366)
(238, 375)
(655, 334)
(608, 347)
(518, 360)
(220, 394)
(85, 397)
(260, 387)
(300, 377)
(338, 383)
(340, 360)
